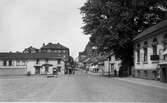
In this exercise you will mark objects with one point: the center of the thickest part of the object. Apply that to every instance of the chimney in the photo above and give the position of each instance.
(43, 44)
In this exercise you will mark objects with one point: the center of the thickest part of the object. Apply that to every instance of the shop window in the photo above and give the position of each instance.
(138, 72)
(4, 63)
(145, 72)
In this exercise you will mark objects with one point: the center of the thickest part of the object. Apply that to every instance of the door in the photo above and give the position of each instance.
(164, 75)
(37, 70)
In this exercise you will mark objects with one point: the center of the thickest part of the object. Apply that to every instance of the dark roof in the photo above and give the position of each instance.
(30, 56)
(154, 28)
(57, 46)
(30, 49)
(95, 59)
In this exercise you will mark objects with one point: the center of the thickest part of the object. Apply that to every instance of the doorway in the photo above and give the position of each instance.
(37, 70)
(164, 74)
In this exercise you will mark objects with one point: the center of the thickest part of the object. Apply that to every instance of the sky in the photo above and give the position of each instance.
(25, 23)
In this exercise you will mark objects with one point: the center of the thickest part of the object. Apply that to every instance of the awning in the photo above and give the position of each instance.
(47, 65)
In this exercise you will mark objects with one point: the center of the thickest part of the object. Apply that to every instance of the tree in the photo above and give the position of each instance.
(113, 24)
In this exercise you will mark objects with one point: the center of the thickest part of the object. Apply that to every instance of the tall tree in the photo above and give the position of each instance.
(113, 24)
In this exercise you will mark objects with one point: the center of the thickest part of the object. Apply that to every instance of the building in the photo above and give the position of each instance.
(111, 65)
(56, 48)
(50, 59)
(30, 50)
(149, 48)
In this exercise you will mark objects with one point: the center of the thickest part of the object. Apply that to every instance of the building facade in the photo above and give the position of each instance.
(112, 65)
(148, 51)
(50, 59)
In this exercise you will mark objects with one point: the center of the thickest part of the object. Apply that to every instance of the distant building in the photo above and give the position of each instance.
(111, 64)
(56, 48)
(31, 50)
(149, 48)
(50, 59)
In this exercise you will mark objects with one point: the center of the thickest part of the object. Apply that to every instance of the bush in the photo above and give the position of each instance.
(28, 73)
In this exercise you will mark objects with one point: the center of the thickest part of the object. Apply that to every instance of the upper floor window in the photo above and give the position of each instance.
(145, 51)
(37, 61)
(138, 53)
(58, 61)
(165, 41)
(154, 46)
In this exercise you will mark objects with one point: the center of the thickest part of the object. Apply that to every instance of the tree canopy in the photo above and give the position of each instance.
(113, 24)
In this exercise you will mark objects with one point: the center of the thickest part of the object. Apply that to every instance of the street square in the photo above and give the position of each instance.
(80, 87)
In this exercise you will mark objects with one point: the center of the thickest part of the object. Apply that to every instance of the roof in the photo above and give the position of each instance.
(54, 46)
(152, 29)
(86, 60)
(30, 56)
(165, 52)
(30, 49)
(95, 59)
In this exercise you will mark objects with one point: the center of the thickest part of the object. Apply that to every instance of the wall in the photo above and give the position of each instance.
(146, 70)
(30, 66)
(12, 70)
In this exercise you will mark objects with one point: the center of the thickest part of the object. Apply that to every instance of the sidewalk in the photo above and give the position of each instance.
(145, 82)
(139, 81)
(93, 73)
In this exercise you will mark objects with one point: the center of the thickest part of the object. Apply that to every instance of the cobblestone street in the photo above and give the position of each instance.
(80, 87)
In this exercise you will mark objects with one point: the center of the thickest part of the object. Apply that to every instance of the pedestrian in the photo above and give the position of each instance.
(115, 72)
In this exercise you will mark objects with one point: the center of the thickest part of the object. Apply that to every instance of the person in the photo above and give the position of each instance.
(115, 72)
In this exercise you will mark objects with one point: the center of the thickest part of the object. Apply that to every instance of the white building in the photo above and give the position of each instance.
(111, 64)
(50, 58)
(148, 52)
(34, 63)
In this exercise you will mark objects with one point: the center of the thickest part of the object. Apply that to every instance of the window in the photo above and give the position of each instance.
(145, 52)
(24, 62)
(58, 61)
(154, 46)
(4, 63)
(46, 60)
(37, 61)
(59, 69)
(10, 62)
(138, 53)
(18, 62)
(55, 51)
(165, 41)
(145, 72)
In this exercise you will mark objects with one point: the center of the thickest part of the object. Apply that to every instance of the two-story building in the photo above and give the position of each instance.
(149, 49)
(50, 59)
